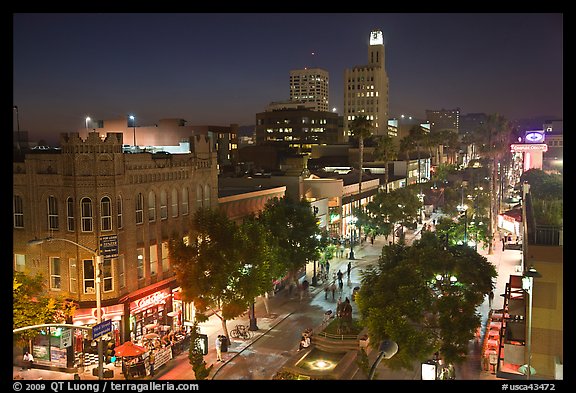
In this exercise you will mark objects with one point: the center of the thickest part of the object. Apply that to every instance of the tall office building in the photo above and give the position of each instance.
(444, 120)
(310, 85)
(366, 89)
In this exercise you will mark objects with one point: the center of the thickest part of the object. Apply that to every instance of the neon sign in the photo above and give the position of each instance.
(516, 147)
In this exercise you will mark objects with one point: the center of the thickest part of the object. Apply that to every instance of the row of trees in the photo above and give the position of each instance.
(222, 266)
(424, 298)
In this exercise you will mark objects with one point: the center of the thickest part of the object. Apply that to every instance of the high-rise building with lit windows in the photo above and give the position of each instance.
(310, 85)
(366, 89)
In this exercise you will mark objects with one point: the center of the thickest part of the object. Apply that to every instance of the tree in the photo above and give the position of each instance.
(208, 266)
(32, 307)
(361, 129)
(424, 298)
(492, 139)
(295, 232)
(386, 151)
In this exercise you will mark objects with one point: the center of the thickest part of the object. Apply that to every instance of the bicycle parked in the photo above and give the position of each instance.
(241, 331)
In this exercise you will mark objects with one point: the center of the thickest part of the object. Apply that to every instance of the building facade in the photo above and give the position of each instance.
(90, 190)
(299, 128)
(444, 120)
(366, 89)
(310, 85)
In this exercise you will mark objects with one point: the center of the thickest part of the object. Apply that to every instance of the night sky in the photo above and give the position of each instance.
(220, 69)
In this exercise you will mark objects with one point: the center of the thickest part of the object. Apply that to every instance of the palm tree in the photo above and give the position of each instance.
(386, 150)
(361, 128)
(493, 142)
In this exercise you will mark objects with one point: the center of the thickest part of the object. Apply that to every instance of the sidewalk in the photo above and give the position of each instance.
(281, 306)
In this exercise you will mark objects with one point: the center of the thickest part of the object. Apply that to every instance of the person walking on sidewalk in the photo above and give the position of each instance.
(333, 289)
(218, 345)
(349, 269)
(327, 268)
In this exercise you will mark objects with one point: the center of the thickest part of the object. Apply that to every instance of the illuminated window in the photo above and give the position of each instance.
(88, 269)
(55, 277)
(19, 262)
(153, 259)
(140, 263)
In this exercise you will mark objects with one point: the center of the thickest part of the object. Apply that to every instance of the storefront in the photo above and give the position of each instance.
(150, 314)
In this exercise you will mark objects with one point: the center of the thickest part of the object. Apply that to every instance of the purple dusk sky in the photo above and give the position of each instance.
(224, 68)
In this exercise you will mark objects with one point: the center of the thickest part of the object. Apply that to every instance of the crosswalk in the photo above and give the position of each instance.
(89, 358)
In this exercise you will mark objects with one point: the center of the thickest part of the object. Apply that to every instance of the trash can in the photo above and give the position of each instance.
(354, 291)
(225, 344)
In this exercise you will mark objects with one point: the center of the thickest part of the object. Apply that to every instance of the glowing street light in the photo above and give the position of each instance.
(131, 117)
(88, 120)
(97, 263)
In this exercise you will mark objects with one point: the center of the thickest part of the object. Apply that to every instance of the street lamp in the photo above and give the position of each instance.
(88, 119)
(386, 350)
(97, 262)
(352, 221)
(131, 117)
(462, 209)
(527, 285)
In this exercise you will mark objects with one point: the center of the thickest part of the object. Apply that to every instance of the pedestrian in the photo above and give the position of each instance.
(327, 268)
(151, 361)
(339, 274)
(304, 342)
(490, 298)
(28, 360)
(333, 289)
(349, 268)
(326, 289)
(503, 244)
(340, 285)
(219, 348)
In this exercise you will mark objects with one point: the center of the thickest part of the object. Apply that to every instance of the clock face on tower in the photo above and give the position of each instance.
(534, 137)
(376, 38)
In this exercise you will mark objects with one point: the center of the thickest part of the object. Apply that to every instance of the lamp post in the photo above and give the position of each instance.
(352, 233)
(131, 117)
(527, 285)
(97, 262)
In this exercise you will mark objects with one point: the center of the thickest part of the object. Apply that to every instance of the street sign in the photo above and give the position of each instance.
(66, 338)
(109, 246)
(102, 328)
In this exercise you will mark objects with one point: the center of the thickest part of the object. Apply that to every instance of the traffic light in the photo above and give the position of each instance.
(110, 352)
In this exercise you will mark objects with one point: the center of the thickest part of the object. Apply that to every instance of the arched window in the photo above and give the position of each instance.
(163, 205)
(106, 214)
(86, 211)
(70, 214)
(199, 198)
(52, 213)
(151, 206)
(185, 200)
(18, 212)
(174, 202)
(120, 221)
(206, 196)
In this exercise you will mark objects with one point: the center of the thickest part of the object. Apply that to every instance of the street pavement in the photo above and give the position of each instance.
(282, 318)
